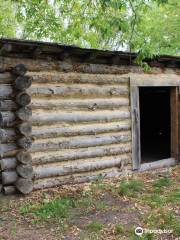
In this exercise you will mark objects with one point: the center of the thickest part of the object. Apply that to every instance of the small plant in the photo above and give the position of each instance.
(131, 187)
(162, 182)
(119, 228)
(94, 226)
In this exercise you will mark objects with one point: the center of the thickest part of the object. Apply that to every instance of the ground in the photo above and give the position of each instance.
(105, 209)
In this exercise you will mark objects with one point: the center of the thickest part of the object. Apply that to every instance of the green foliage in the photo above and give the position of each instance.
(162, 182)
(131, 187)
(94, 226)
(119, 228)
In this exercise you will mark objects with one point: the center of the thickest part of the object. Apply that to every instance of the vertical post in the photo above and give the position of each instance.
(135, 116)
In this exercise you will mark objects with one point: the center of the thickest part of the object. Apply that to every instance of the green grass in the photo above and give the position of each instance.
(159, 184)
(94, 226)
(130, 188)
(119, 228)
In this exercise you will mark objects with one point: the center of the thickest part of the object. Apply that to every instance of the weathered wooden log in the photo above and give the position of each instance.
(6, 78)
(24, 113)
(80, 142)
(89, 104)
(19, 70)
(25, 171)
(90, 165)
(6, 105)
(1, 188)
(25, 128)
(23, 82)
(7, 135)
(7, 149)
(41, 118)
(39, 65)
(5, 49)
(9, 190)
(59, 77)
(71, 154)
(23, 99)
(24, 157)
(75, 178)
(6, 91)
(8, 163)
(25, 142)
(78, 90)
(9, 177)
(6, 119)
(25, 186)
(83, 129)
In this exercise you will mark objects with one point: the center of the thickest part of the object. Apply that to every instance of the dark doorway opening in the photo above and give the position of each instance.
(155, 123)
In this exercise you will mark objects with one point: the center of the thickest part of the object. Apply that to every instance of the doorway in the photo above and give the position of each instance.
(155, 123)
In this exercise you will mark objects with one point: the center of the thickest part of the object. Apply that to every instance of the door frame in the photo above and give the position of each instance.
(152, 80)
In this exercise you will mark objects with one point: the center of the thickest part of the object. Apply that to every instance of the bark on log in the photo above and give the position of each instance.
(6, 119)
(7, 149)
(24, 157)
(23, 82)
(19, 70)
(25, 171)
(9, 177)
(59, 77)
(89, 104)
(6, 91)
(84, 129)
(71, 154)
(7, 135)
(48, 171)
(25, 186)
(24, 113)
(9, 190)
(75, 178)
(80, 142)
(6, 78)
(40, 118)
(77, 90)
(25, 142)
(25, 128)
(6, 105)
(8, 163)
(23, 99)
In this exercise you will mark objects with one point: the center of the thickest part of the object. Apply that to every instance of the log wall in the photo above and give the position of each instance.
(80, 124)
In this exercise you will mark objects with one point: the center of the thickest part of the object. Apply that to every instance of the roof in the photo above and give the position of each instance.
(56, 51)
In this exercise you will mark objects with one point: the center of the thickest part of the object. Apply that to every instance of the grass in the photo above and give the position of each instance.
(119, 228)
(130, 188)
(94, 226)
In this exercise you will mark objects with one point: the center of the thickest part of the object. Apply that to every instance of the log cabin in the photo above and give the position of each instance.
(70, 115)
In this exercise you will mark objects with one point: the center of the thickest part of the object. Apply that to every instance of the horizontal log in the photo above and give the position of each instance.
(80, 142)
(7, 135)
(7, 149)
(58, 77)
(71, 154)
(40, 118)
(6, 91)
(7, 119)
(89, 104)
(39, 65)
(24, 113)
(90, 165)
(77, 90)
(8, 163)
(75, 178)
(19, 70)
(9, 177)
(9, 190)
(25, 171)
(7, 105)
(5, 49)
(23, 99)
(24, 157)
(84, 129)
(6, 78)
(24, 186)
(22, 82)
